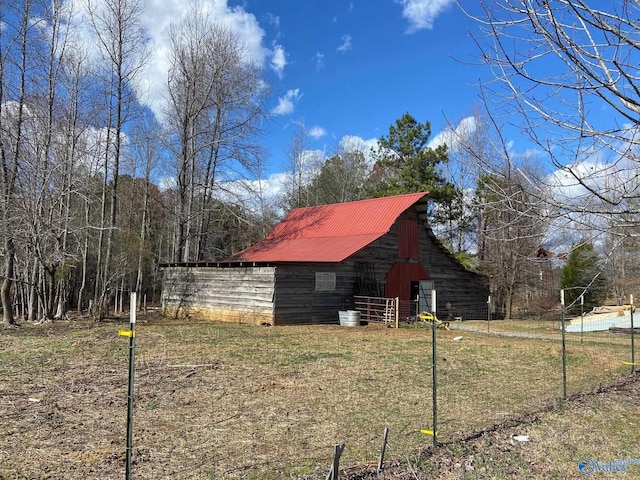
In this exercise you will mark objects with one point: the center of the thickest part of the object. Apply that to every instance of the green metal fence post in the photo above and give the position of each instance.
(433, 369)
(633, 349)
(581, 317)
(564, 349)
(132, 351)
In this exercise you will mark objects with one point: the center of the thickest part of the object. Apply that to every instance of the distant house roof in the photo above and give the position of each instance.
(329, 233)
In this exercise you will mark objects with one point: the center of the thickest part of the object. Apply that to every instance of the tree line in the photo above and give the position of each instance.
(85, 217)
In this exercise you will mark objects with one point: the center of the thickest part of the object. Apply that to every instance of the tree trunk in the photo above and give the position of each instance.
(7, 281)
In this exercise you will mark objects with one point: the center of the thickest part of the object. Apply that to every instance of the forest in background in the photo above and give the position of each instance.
(96, 191)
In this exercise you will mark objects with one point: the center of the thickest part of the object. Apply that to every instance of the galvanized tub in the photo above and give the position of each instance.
(349, 318)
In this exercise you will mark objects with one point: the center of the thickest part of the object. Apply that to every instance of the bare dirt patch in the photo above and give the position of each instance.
(235, 401)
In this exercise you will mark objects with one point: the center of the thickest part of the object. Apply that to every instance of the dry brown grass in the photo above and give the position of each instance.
(237, 401)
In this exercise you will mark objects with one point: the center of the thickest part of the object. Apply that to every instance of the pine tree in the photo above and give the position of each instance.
(583, 275)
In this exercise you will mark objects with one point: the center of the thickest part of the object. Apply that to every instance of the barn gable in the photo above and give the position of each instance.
(318, 258)
(330, 233)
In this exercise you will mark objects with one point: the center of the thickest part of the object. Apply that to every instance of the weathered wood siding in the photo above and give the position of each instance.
(285, 294)
(297, 302)
(466, 291)
(238, 294)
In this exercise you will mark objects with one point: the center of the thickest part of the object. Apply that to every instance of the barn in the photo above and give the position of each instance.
(319, 260)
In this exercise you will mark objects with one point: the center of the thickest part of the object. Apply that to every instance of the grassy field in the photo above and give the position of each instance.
(216, 401)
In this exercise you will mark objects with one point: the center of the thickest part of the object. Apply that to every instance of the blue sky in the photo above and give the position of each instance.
(350, 69)
(344, 68)
(353, 68)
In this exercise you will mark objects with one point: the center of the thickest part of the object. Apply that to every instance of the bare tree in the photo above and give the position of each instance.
(296, 168)
(47, 181)
(622, 248)
(216, 106)
(77, 112)
(512, 229)
(568, 70)
(120, 38)
(147, 153)
(14, 64)
(472, 153)
(505, 219)
(303, 164)
(40, 128)
(259, 200)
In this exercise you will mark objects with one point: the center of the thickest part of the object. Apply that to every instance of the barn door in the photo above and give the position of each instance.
(424, 296)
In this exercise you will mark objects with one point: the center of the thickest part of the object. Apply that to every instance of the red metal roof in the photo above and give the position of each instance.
(329, 233)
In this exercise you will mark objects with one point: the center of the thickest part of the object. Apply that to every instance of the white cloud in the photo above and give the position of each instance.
(317, 132)
(452, 137)
(353, 143)
(287, 104)
(345, 46)
(274, 20)
(157, 18)
(422, 13)
(611, 171)
(270, 189)
(278, 59)
(274, 186)
(569, 184)
(166, 183)
(319, 61)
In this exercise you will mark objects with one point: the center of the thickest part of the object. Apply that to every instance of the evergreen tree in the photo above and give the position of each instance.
(406, 164)
(583, 275)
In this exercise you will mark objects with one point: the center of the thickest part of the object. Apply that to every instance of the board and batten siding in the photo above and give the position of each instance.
(296, 300)
(232, 294)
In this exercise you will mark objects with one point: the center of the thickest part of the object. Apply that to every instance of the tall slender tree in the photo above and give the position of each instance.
(472, 154)
(512, 229)
(14, 65)
(216, 109)
(117, 25)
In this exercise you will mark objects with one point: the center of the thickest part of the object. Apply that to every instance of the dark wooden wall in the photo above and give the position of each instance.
(297, 302)
(467, 292)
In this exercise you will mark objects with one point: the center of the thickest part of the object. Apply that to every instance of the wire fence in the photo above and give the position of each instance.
(490, 372)
(231, 401)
